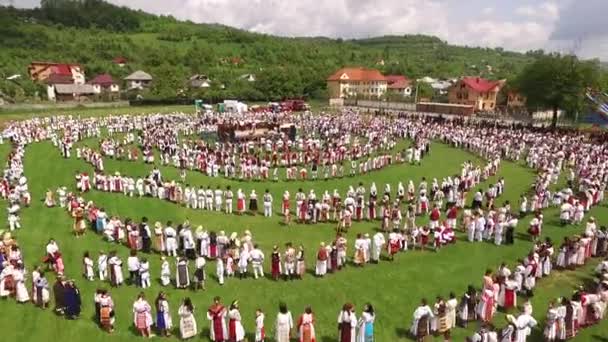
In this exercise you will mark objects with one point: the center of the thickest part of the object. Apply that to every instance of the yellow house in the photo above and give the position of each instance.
(348, 82)
(475, 91)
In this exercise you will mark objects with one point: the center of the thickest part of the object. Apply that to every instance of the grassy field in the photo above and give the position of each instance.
(393, 288)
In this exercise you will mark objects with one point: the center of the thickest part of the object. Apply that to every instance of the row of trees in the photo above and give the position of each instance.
(86, 14)
(172, 51)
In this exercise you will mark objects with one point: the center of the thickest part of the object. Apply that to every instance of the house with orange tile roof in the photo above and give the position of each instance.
(476, 91)
(358, 81)
(51, 71)
(400, 85)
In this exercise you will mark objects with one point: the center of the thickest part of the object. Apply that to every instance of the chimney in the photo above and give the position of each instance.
(477, 79)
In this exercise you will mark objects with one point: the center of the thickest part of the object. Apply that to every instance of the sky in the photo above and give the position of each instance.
(570, 26)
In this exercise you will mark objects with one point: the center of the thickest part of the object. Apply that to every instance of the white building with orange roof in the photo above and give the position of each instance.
(350, 82)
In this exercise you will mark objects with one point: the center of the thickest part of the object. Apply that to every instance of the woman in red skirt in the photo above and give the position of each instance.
(240, 202)
(275, 263)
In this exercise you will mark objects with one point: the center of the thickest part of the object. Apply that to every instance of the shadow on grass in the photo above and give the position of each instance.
(328, 339)
(403, 333)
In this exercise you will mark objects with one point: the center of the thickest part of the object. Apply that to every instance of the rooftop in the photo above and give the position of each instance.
(139, 76)
(74, 89)
(357, 74)
(481, 84)
(103, 80)
(397, 82)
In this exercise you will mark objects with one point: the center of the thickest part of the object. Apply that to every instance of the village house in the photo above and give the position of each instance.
(476, 91)
(248, 77)
(70, 92)
(105, 85)
(350, 82)
(199, 81)
(138, 80)
(42, 71)
(399, 85)
(440, 87)
(120, 61)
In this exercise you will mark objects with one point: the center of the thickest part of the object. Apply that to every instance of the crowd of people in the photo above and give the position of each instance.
(225, 322)
(324, 141)
(500, 289)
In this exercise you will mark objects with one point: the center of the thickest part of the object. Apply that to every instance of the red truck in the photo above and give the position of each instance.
(294, 105)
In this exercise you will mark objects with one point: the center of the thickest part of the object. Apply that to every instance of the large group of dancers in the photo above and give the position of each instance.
(572, 173)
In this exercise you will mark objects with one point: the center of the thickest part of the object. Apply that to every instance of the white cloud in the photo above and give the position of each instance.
(527, 11)
(544, 11)
(514, 35)
(337, 18)
(487, 11)
(513, 24)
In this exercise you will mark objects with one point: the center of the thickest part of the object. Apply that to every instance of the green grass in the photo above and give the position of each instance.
(393, 288)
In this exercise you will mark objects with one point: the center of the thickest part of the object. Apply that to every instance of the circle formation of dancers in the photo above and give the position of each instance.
(327, 146)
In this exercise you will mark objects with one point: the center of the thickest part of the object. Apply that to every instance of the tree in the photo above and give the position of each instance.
(425, 91)
(558, 82)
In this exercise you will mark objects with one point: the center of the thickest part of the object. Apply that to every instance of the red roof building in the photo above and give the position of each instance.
(397, 82)
(120, 60)
(57, 78)
(349, 82)
(476, 91)
(103, 80)
(357, 74)
(41, 71)
(481, 84)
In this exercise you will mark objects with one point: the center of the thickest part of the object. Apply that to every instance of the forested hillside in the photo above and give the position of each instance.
(93, 33)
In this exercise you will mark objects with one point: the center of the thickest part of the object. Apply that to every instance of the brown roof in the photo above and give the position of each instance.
(56, 78)
(397, 82)
(357, 74)
(74, 89)
(104, 80)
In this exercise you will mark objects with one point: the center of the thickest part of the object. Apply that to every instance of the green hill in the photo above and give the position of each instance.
(92, 33)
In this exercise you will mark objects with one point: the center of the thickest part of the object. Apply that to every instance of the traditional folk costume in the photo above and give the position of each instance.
(142, 315)
(182, 276)
(217, 331)
(365, 327)
(347, 323)
(163, 316)
(236, 332)
(187, 322)
(260, 333)
(306, 328)
(106, 312)
(420, 327)
(116, 276)
(283, 326)
(275, 267)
